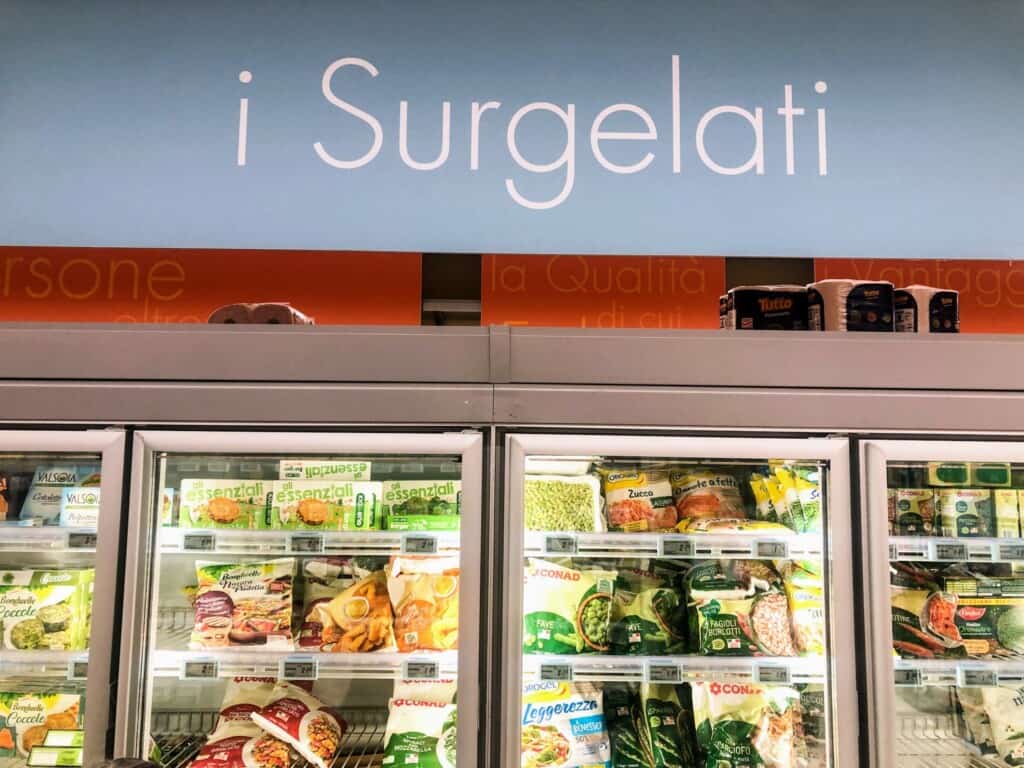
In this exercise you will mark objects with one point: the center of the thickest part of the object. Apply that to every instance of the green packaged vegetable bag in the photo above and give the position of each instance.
(627, 748)
(566, 610)
(656, 713)
(648, 616)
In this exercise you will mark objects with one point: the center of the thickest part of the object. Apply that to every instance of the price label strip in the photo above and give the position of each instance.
(663, 672)
(307, 543)
(419, 544)
(950, 551)
(200, 669)
(199, 542)
(976, 677)
(907, 678)
(78, 669)
(1011, 551)
(421, 669)
(81, 540)
(54, 757)
(559, 544)
(675, 546)
(772, 550)
(298, 668)
(556, 671)
(771, 674)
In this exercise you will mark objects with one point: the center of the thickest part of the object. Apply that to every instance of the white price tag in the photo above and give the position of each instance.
(976, 677)
(907, 677)
(772, 550)
(220, 467)
(298, 668)
(768, 674)
(675, 546)
(412, 468)
(306, 543)
(1011, 551)
(950, 551)
(419, 544)
(78, 669)
(81, 540)
(894, 552)
(559, 544)
(421, 669)
(199, 542)
(663, 672)
(200, 669)
(983, 554)
(556, 671)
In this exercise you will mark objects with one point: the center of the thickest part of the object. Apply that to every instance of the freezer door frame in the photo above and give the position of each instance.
(110, 444)
(140, 579)
(875, 455)
(843, 724)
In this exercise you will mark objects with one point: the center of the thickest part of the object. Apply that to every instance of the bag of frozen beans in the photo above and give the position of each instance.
(566, 610)
(421, 733)
(300, 719)
(638, 500)
(563, 725)
(657, 711)
(742, 725)
(627, 749)
(562, 503)
(699, 492)
(648, 615)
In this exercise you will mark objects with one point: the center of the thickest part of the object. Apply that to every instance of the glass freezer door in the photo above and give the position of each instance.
(946, 572)
(303, 599)
(60, 515)
(677, 602)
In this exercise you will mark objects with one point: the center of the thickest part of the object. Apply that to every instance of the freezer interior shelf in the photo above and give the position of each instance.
(669, 669)
(953, 550)
(181, 734)
(69, 665)
(739, 545)
(188, 540)
(46, 538)
(936, 741)
(966, 674)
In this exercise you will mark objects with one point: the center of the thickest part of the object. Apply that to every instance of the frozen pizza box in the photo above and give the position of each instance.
(421, 505)
(318, 469)
(325, 505)
(222, 503)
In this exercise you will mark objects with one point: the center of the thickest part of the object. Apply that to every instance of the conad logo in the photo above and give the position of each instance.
(548, 573)
(414, 703)
(733, 688)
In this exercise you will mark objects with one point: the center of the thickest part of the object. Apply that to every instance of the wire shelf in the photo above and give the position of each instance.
(181, 734)
(937, 741)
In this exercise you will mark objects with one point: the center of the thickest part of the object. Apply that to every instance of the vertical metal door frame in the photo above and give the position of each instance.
(109, 443)
(843, 723)
(132, 724)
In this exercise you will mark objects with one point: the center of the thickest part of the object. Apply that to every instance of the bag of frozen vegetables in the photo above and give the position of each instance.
(656, 713)
(648, 616)
(627, 749)
(566, 610)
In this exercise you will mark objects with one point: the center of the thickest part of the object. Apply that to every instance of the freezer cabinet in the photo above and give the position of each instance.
(945, 564)
(289, 595)
(678, 601)
(60, 525)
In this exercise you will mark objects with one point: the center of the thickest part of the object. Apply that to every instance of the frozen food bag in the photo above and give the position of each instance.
(424, 593)
(805, 590)
(1007, 513)
(44, 494)
(638, 500)
(966, 512)
(421, 733)
(566, 610)
(45, 610)
(223, 504)
(656, 713)
(324, 579)
(243, 745)
(914, 512)
(628, 751)
(699, 492)
(563, 725)
(300, 719)
(26, 718)
(360, 619)
(648, 615)
(1004, 706)
(421, 505)
(247, 604)
(562, 503)
(325, 505)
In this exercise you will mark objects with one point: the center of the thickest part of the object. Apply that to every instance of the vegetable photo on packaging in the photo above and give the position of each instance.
(563, 726)
(627, 749)
(638, 500)
(566, 610)
(648, 615)
(656, 713)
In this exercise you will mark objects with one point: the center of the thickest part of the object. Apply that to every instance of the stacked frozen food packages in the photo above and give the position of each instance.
(673, 614)
(305, 610)
(49, 514)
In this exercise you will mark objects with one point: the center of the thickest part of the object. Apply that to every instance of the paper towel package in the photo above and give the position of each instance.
(767, 308)
(850, 305)
(924, 309)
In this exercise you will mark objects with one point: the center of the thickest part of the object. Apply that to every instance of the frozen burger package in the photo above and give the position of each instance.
(421, 733)
(425, 596)
(300, 719)
(563, 725)
(244, 604)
